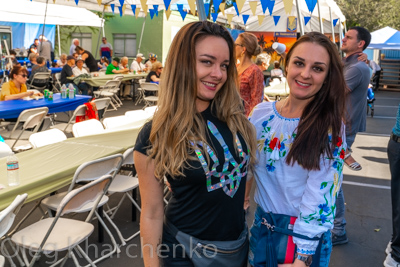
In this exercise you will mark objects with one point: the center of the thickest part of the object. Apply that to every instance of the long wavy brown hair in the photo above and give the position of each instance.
(177, 123)
(323, 114)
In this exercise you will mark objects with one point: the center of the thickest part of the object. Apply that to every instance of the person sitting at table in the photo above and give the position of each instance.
(34, 47)
(123, 64)
(88, 58)
(113, 67)
(84, 88)
(16, 87)
(276, 72)
(103, 64)
(39, 67)
(154, 74)
(32, 60)
(152, 59)
(13, 59)
(67, 71)
(137, 65)
(62, 61)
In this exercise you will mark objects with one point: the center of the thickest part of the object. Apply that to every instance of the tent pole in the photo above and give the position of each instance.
(333, 28)
(59, 40)
(321, 27)
(141, 34)
(44, 24)
(340, 35)
(201, 12)
(101, 28)
(300, 20)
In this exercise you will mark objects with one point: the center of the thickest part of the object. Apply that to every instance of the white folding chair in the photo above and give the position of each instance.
(47, 138)
(23, 116)
(64, 234)
(7, 217)
(57, 84)
(33, 122)
(109, 90)
(140, 92)
(122, 123)
(151, 110)
(151, 88)
(39, 76)
(5, 150)
(67, 127)
(87, 172)
(124, 184)
(102, 104)
(89, 127)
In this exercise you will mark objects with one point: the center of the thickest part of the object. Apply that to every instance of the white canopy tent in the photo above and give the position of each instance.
(268, 24)
(24, 11)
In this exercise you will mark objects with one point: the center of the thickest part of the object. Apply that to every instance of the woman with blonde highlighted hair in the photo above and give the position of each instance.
(201, 141)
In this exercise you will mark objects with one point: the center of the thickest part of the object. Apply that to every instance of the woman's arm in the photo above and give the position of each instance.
(154, 78)
(18, 96)
(84, 56)
(152, 215)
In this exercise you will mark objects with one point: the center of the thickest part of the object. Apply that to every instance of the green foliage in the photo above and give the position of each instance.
(371, 14)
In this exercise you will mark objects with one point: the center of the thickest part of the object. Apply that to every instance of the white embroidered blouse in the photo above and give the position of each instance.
(292, 190)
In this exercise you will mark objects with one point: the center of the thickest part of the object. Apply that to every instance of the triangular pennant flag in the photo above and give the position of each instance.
(143, 6)
(168, 13)
(99, 2)
(311, 5)
(166, 4)
(216, 4)
(240, 4)
(137, 12)
(253, 7)
(180, 7)
(76, 2)
(121, 2)
(276, 19)
(207, 9)
(112, 7)
(183, 14)
(133, 9)
(145, 11)
(229, 17)
(123, 9)
(222, 8)
(214, 16)
(271, 4)
(260, 19)
(151, 13)
(106, 7)
(236, 8)
(192, 6)
(120, 11)
(264, 5)
(335, 22)
(245, 18)
(288, 4)
(155, 8)
(306, 20)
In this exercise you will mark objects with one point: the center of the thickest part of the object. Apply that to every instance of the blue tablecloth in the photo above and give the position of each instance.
(53, 70)
(12, 108)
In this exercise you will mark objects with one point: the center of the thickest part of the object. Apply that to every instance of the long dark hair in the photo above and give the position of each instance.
(324, 114)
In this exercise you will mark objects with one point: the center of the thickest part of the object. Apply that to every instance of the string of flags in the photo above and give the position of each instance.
(267, 7)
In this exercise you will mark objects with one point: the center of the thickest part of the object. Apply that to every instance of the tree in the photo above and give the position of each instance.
(371, 14)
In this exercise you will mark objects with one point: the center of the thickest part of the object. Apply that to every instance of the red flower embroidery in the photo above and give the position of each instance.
(339, 142)
(342, 154)
(273, 143)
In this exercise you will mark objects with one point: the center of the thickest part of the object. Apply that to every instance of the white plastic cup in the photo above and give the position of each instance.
(279, 48)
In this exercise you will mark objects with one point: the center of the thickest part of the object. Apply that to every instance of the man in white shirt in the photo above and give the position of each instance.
(137, 65)
(74, 44)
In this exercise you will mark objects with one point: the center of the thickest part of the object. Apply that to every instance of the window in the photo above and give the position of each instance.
(5, 34)
(125, 45)
(85, 40)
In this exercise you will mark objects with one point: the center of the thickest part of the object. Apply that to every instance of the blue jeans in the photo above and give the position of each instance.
(339, 222)
(254, 231)
(350, 139)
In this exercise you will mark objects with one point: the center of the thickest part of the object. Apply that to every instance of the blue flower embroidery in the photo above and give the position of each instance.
(324, 207)
(265, 123)
(270, 168)
(335, 164)
(335, 152)
(323, 218)
(282, 146)
(266, 142)
(271, 117)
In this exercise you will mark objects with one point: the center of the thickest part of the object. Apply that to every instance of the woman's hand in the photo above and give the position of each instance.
(29, 93)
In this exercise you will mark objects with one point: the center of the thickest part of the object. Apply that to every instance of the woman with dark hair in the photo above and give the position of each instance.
(250, 75)
(301, 147)
(16, 87)
(90, 62)
(200, 140)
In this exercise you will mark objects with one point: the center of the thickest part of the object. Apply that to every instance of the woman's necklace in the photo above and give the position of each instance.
(283, 103)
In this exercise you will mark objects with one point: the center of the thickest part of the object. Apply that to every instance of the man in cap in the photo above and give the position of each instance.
(67, 71)
(152, 59)
(137, 65)
(113, 67)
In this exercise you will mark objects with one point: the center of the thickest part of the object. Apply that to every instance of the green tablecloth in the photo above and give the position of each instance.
(101, 80)
(46, 169)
